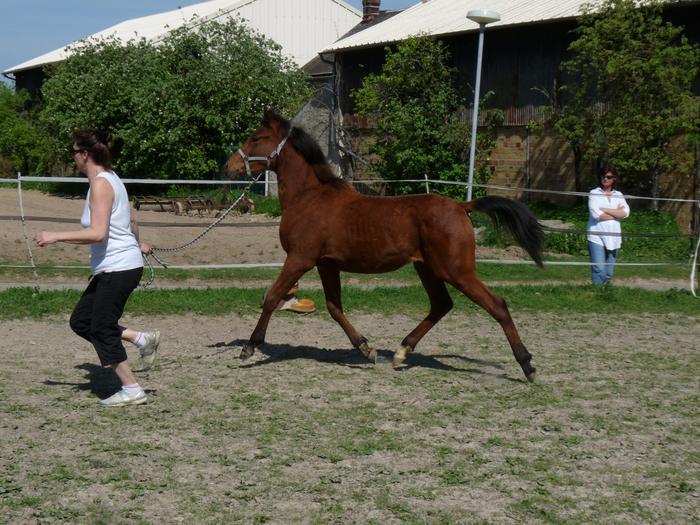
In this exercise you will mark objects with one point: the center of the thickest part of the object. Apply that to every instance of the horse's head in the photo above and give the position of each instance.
(260, 150)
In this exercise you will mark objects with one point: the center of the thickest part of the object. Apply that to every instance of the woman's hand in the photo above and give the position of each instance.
(146, 248)
(43, 238)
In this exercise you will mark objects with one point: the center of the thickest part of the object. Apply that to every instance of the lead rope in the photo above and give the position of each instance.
(196, 239)
(24, 232)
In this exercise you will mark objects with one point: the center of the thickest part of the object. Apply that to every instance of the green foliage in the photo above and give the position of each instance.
(269, 206)
(415, 105)
(655, 248)
(630, 93)
(22, 144)
(176, 106)
(21, 303)
(488, 272)
(650, 249)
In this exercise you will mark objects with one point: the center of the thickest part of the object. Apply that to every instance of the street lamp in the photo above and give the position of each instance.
(481, 17)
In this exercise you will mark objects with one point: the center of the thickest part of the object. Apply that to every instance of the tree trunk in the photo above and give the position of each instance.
(655, 191)
(578, 176)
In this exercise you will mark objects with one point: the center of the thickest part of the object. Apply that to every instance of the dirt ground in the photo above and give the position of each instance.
(238, 239)
(308, 432)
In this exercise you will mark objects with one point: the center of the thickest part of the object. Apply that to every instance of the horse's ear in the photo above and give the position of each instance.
(273, 121)
(269, 118)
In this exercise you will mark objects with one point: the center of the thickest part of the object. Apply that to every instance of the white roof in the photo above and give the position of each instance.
(442, 17)
(301, 27)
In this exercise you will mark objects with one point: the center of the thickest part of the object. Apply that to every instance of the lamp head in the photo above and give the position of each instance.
(483, 16)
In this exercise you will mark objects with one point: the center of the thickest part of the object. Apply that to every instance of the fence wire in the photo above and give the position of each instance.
(426, 181)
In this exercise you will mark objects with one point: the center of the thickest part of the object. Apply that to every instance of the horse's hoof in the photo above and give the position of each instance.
(369, 353)
(372, 357)
(400, 357)
(531, 377)
(246, 352)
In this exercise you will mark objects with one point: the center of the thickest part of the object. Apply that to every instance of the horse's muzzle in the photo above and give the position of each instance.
(235, 167)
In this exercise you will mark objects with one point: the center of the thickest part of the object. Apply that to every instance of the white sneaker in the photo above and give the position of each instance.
(149, 351)
(121, 399)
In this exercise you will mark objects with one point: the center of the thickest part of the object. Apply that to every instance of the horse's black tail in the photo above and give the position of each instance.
(517, 218)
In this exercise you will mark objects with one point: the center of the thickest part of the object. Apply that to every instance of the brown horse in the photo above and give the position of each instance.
(327, 224)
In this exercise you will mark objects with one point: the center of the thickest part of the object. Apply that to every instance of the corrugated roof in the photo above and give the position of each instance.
(301, 27)
(442, 17)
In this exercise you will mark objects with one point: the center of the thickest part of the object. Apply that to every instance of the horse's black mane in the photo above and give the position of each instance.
(308, 148)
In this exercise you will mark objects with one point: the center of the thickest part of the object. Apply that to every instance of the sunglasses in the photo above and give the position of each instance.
(73, 151)
(609, 177)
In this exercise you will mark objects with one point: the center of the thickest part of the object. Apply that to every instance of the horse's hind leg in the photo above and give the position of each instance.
(440, 304)
(477, 291)
(330, 278)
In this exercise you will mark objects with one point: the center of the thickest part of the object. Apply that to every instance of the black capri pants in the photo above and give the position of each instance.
(96, 316)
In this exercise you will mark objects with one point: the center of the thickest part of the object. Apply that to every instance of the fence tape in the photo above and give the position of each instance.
(367, 181)
(425, 181)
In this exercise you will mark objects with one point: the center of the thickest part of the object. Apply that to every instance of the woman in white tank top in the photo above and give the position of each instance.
(116, 262)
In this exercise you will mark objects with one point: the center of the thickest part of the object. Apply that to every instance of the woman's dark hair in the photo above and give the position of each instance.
(96, 143)
(612, 171)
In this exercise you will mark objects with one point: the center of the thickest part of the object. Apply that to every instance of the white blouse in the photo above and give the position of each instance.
(597, 199)
(120, 250)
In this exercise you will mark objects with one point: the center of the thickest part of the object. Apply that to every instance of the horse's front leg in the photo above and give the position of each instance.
(292, 270)
(330, 278)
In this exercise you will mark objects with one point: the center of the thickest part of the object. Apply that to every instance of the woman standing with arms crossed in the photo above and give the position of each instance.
(116, 263)
(607, 208)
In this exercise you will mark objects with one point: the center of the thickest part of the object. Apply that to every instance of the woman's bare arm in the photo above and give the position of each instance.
(101, 199)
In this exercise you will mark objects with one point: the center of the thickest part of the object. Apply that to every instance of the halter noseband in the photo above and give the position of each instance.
(267, 160)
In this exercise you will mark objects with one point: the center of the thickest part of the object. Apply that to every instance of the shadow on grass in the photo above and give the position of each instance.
(101, 381)
(352, 358)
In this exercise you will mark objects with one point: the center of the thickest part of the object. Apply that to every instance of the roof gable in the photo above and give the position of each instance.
(444, 17)
(315, 25)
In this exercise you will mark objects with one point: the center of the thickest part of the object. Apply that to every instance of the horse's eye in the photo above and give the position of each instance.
(254, 139)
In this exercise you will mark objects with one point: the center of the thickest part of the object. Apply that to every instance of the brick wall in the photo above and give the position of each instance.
(549, 165)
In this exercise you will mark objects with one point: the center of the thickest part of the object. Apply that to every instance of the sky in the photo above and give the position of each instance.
(30, 28)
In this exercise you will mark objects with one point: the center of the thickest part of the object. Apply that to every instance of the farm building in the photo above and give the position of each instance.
(521, 58)
(300, 27)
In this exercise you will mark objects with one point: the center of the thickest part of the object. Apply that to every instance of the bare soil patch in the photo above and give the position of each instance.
(239, 239)
(308, 432)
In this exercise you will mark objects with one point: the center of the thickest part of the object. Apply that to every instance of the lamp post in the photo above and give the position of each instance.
(481, 17)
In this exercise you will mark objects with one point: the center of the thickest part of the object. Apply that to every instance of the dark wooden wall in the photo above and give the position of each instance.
(516, 60)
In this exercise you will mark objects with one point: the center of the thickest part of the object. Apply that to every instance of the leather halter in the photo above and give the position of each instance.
(267, 160)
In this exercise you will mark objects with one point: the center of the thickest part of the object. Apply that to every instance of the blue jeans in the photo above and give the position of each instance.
(602, 263)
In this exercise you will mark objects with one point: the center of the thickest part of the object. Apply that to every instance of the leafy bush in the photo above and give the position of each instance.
(23, 146)
(176, 107)
(415, 105)
(629, 92)
(640, 221)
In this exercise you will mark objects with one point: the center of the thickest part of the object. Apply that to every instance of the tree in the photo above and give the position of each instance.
(630, 94)
(23, 147)
(176, 106)
(415, 106)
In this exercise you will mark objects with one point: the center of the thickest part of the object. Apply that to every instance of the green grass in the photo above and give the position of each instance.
(674, 247)
(487, 271)
(19, 303)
